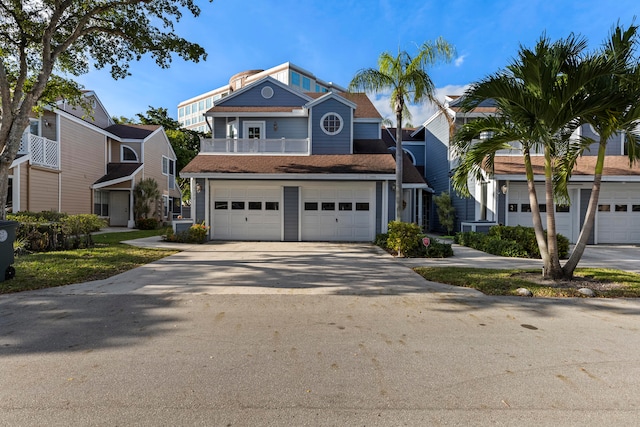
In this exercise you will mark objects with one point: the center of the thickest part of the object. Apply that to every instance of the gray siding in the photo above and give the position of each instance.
(219, 127)
(585, 194)
(291, 213)
(437, 164)
(253, 97)
(366, 130)
(200, 201)
(287, 127)
(330, 144)
(379, 207)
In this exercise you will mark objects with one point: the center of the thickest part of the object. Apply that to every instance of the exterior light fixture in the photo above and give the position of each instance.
(504, 189)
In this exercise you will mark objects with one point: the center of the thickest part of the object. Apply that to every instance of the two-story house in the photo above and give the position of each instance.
(285, 165)
(76, 161)
(503, 197)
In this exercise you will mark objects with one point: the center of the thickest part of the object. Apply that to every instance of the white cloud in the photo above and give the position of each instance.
(459, 60)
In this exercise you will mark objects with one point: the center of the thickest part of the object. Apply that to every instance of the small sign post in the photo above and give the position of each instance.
(426, 242)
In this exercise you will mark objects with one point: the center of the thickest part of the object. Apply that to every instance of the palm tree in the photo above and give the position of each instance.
(146, 194)
(623, 117)
(541, 97)
(407, 79)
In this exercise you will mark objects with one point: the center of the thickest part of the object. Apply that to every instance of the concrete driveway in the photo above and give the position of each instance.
(250, 334)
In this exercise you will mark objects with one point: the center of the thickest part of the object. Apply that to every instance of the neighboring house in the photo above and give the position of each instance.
(79, 163)
(191, 111)
(285, 165)
(504, 199)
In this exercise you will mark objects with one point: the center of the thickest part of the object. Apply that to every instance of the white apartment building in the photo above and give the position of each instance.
(191, 111)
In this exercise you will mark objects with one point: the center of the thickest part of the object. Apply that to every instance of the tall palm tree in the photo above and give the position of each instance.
(407, 79)
(541, 97)
(623, 117)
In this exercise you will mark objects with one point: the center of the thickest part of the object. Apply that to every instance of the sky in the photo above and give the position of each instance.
(334, 39)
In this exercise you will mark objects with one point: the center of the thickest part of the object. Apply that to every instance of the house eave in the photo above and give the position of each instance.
(290, 176)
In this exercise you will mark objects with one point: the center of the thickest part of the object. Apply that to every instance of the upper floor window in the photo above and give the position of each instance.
(208, 103)
(306, 83)
(181, 112)
(127, 154)
(331, 123)
(187, 110)
(295, 79)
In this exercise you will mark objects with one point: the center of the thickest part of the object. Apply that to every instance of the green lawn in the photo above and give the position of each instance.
(107, 258)
(605, 282)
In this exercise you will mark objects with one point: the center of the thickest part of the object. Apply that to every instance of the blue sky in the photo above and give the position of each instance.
(335, 38)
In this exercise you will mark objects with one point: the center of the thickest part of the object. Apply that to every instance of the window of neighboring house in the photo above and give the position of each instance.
(34, 127)
(9, 204)
(101, 203)
(127, 154)
(180, 112)
(208, 102)
(295, 79)
(331, 123)
(187, 110)
(201, 105)
(168, 168)
(165, 206)
(306, 83)
(187, 122)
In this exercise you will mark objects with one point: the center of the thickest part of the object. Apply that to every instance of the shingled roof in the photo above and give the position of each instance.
(131, 131)
(613, 166)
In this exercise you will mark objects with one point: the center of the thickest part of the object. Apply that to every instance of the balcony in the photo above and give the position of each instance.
(44, 152)
(271, 147)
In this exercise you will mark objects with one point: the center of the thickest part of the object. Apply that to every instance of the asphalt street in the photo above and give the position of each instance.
(244, 334)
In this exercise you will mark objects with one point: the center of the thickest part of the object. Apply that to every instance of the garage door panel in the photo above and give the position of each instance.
(341, 221)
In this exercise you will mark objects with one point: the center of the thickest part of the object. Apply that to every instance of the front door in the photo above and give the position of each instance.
(119, 208)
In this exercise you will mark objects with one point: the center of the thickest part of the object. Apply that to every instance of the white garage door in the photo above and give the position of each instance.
(618, 216)
(519, 210)
(246, 212)
(338, 212)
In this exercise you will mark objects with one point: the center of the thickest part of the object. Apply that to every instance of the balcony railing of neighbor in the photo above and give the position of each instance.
(282, 146)
(44, 152)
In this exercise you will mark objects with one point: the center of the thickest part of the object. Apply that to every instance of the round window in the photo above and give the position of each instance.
(267, 92)
(331, 123)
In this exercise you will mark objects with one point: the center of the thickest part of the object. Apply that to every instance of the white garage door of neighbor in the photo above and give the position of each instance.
(338, 212)
(241, 213)
(519, 210)
(618, 216)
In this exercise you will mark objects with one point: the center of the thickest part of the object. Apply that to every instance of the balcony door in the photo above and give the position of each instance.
(253, 130)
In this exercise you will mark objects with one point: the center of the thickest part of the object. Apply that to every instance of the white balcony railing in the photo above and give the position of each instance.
(44, 152)
(283, 146)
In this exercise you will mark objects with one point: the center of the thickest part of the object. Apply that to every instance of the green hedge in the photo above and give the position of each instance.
(508, 241)
(407, 239)
(52, 231)
(197, 233)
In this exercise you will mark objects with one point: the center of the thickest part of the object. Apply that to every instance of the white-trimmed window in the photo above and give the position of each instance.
(331, 123)
(128, 154)
(169, 169)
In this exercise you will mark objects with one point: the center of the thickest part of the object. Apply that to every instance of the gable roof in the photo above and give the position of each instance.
(131, 131)
(364, 107)
(118, 172)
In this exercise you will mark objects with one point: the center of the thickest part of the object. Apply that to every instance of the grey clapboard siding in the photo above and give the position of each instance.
(291, 213)
(330, 144)
(253, 98)
(366, 131)
(200, 201)
(585, 194)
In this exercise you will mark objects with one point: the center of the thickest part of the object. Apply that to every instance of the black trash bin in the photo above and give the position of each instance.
(7, 237)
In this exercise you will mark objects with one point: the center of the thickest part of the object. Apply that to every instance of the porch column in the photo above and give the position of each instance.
(131, 223)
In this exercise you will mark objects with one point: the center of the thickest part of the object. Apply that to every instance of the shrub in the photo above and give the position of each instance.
(197, 233)
(518, 241)
(50, 231)
(403, 237)
(436, 249)
(147, 223)
(446, 211)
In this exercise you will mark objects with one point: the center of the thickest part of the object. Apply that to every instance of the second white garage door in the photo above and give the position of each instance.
(338, 212)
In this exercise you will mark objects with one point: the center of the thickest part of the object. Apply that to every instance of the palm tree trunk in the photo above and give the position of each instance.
(535, 212)
(555, 270)
(590, 218)
(399, 158)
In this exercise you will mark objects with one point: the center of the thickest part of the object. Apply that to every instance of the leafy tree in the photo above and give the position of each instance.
(42, 40)
(159, 116)
(446, 211)
(407, 79)
(623, 117)
(541, 98)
